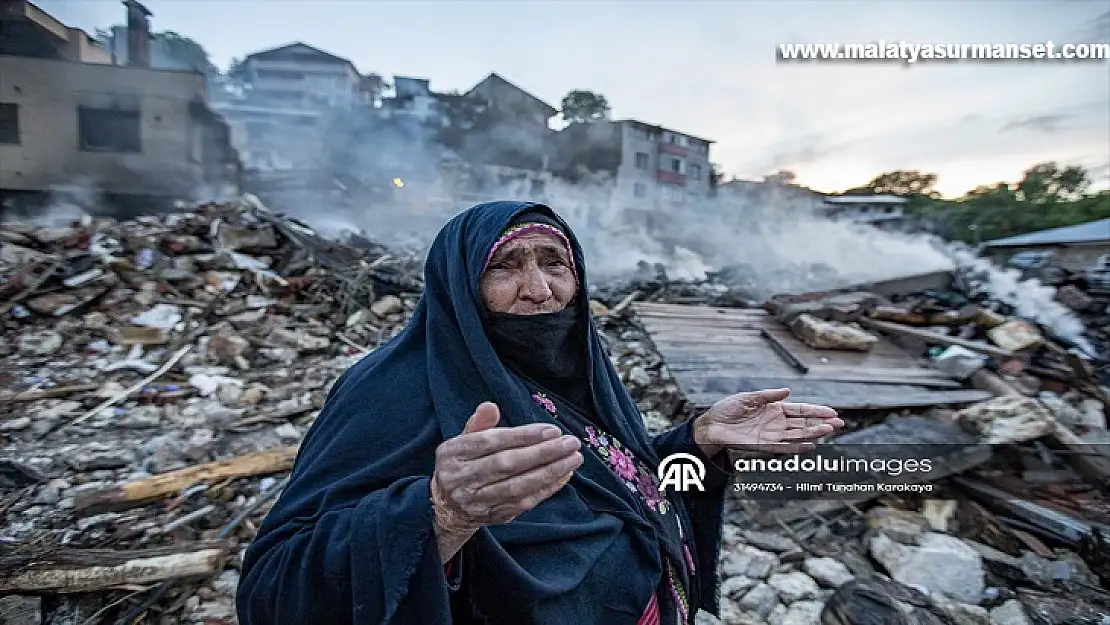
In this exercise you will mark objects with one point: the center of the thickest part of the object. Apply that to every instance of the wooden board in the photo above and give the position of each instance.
(714, 352)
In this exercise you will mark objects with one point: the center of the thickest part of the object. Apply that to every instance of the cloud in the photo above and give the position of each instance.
(1046, 124)
(802, 151)
(1099, 29)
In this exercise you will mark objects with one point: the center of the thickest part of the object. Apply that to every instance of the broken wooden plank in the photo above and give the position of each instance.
(67, 571)
(143, 491)
(1063, 527)
(935, 337)
(714, 352)
(866, 397)
(50, 393)
(700, 381)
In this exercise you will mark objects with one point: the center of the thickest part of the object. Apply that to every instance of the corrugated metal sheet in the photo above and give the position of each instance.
(1090, 232)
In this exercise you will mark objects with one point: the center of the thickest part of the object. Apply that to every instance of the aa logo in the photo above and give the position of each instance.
(681, 472)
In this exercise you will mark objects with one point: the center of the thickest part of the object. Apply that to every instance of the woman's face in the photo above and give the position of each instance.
(528, 275)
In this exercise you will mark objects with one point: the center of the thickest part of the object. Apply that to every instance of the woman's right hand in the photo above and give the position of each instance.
(489, 475)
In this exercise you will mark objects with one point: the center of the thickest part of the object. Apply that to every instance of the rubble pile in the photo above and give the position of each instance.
(197, 347)
(158, 374)
(1016, 535)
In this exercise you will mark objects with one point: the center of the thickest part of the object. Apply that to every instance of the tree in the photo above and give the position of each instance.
(584, 106)
(237, 71)
(1046, 183)
(903, 183)
(783, 177)
(1047, 196)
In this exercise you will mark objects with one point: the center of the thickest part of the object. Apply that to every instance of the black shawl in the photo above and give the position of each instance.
(350, 540)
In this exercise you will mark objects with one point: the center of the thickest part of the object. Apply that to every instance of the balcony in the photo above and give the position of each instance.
(670, 177)
(671, 148)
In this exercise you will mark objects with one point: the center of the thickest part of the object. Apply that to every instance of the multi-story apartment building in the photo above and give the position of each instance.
(652, 172)
(291, 94)
(68, 114)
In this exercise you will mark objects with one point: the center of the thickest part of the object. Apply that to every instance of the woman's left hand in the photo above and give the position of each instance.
(762, 421)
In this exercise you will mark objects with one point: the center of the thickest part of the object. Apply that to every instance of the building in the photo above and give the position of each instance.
(298, 75)
(884, 211)
(291, 95)
(66, 114)
(500, 94)
(28, 31)
(654, 173)
(1076, 248)
(413, 98)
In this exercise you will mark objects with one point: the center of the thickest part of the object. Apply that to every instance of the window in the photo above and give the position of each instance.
(639, 190)
(641, 160)
(695, 172)
(108, 130)
(9, 123)
(678, 165)
(674, 194)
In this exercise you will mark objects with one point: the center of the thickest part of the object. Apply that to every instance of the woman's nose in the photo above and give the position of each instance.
(535, 284)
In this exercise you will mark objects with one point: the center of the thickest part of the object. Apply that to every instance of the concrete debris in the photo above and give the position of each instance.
(939, 564)
(159, 373)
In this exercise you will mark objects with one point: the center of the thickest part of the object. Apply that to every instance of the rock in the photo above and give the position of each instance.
(388, 305)
(828, 572)
(801, 613)
(940, 564)
(903, 526)
(1009, 613)
(793, 556)
(760, 600)
(41, 343)
(639, 377)
(735, 587)
(769, 542)
(16, 424)
(964, 614)
(751, 562)
(17, 610)
(794, 586)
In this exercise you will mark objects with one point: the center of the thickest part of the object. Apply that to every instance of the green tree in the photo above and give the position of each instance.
(584, 106)
(900, 182)
(1047, 196)
(236, 71)
(1046, 183)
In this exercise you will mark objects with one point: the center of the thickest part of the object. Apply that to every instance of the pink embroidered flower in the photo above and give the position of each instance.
(591, 434)
(622, 464)
(544, 402)
(646, 485)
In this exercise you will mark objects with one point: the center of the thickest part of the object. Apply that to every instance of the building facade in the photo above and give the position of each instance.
(879, 210)
(126, 130)
(291, 96)
(652, 174)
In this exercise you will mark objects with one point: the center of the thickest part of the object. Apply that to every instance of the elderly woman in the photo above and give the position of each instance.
(487, 465)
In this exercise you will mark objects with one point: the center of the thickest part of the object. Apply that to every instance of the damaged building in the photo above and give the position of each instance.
(653, 173)
(67, 115)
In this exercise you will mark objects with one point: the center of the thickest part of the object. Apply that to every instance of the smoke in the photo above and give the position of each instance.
(389, 179)
(63, 204)
(1029, 298)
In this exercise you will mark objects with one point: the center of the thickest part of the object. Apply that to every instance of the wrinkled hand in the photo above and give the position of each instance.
(761, 421)
(489, 475)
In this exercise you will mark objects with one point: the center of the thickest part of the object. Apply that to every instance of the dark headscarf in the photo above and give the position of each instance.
(350, 540)
(549, 348)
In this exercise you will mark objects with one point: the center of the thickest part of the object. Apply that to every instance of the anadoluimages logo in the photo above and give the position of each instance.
(681, 471)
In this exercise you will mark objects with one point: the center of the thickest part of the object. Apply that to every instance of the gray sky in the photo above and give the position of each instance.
(709, 69)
